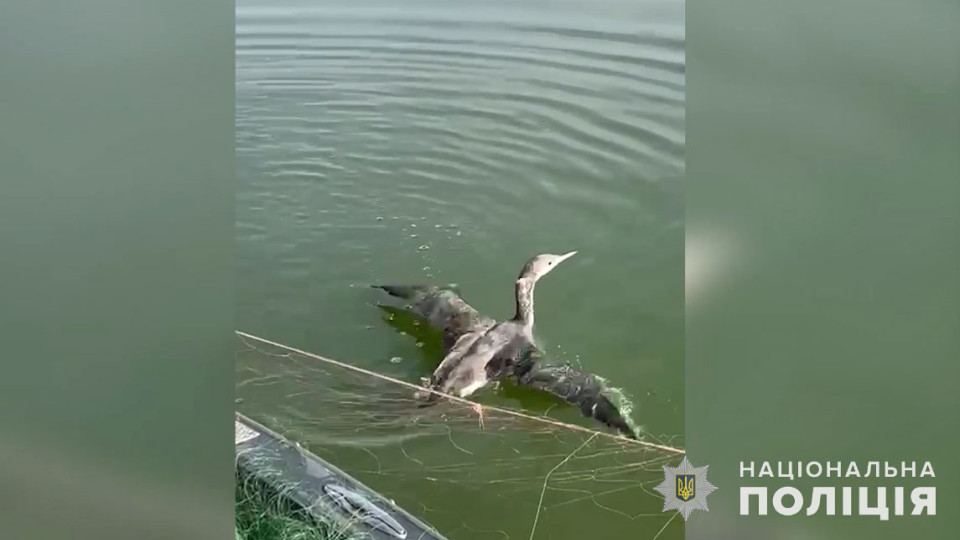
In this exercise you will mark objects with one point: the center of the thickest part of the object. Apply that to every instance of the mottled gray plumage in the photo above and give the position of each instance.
(573, 385)
(443, 308)
(480, 350)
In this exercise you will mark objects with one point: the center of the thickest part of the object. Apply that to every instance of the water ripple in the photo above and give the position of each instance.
(356, 115)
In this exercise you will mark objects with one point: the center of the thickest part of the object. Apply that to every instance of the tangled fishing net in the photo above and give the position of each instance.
(471, 471)
(262, 513)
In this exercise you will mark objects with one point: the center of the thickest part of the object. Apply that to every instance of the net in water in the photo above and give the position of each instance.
(470, 470)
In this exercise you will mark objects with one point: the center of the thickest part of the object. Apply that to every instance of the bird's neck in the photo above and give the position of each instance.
(524, 290)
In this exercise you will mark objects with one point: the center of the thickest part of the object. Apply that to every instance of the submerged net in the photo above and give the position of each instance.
(470, 470)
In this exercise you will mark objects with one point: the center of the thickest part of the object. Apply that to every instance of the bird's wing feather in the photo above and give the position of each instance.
(443, 308)
(574, 386)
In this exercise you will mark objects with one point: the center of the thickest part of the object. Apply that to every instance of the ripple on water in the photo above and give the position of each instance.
(505, 119)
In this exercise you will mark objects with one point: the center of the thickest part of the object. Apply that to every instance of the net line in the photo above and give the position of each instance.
(456, 399)
(514, 476)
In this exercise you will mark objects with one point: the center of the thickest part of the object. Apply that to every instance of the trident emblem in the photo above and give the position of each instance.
(682, 491)
(686, 486)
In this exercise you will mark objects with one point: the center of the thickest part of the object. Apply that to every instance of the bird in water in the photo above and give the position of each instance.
(480, 350)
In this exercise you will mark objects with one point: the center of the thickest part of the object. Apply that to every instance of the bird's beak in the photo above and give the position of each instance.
(566, 256)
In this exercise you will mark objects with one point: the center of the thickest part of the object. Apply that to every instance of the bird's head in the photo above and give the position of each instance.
(541, 265)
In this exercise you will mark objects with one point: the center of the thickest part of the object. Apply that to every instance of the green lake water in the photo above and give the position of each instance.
(430, 141)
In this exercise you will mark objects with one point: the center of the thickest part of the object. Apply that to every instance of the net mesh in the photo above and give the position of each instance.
(470, 470)
(263, 513)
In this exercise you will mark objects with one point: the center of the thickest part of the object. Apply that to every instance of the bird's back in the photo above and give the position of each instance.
(482, 357)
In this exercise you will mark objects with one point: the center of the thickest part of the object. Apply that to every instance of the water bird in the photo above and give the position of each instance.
(480, 350)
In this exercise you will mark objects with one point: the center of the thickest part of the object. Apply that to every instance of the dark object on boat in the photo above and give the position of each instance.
(480, 350)
(320, 489)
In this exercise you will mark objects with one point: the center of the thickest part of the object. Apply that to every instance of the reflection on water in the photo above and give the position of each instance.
(418, 142)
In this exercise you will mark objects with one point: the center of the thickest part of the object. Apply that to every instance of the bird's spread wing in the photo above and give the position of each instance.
(574, 386)
(443, 308)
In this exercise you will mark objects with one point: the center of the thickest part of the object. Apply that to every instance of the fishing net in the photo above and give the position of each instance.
(263, 513)
(471, 471)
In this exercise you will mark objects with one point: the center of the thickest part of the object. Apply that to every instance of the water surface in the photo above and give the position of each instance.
(418, 142)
